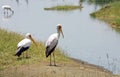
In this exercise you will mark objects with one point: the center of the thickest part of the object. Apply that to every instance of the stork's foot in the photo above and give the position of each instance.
(55, 65)
(52, 65)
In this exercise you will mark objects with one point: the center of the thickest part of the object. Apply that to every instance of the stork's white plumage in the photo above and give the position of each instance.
(52, 42)
(24, 44)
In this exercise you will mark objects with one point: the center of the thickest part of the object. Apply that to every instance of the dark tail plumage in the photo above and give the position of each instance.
(46, 52)
(49, 51)
(20, 50)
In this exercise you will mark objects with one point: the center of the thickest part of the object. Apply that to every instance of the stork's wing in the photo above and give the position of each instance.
(24, 43)
(51, 45)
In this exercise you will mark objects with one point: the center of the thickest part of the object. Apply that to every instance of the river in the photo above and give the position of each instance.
(86, 38)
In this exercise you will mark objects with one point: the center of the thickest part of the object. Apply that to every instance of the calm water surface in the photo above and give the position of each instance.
(86, 38)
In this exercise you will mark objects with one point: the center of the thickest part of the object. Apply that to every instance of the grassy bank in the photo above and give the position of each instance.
(37, 64)
(110, 14)
(63, 7)
(8, 46)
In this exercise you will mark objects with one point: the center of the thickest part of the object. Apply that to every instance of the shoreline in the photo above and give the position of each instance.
(92, 65)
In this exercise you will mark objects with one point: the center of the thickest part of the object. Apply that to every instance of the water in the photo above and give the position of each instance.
(86, 38)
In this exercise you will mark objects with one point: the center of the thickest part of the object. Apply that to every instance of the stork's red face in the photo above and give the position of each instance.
(60, 29)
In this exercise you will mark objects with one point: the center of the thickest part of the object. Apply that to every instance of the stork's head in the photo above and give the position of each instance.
(28, 35)
(59, 28)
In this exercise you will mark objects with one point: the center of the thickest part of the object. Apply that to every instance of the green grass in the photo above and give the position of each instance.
(110, 14)
(64, 7)
(8, 46)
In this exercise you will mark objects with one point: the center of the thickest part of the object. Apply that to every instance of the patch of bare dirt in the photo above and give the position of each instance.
(69, 69)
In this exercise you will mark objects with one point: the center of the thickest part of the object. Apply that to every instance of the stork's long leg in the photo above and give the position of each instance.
(54, 59)
(26, 54)
(23, 54)
(50, 59)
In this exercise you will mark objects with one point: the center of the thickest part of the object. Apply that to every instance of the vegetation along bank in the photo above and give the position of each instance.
(109, 13)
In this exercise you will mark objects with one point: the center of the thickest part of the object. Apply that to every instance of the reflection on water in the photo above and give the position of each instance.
(27, 2)
(80, 3)
(86, 38)
(18, 2)
(8, 16)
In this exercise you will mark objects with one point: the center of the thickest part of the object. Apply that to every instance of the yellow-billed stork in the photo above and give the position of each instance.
(24, 45)
(52, 42)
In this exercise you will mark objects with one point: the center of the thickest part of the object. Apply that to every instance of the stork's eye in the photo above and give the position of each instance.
(29, 35)
(60, 27)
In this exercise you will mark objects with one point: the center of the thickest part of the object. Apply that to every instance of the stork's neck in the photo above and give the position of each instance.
(58, 31)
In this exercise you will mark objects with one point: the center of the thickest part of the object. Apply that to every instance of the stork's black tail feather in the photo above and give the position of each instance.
(49, 51)
(20, 51)
(46, 52)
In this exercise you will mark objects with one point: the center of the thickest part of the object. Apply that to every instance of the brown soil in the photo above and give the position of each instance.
(73, 68)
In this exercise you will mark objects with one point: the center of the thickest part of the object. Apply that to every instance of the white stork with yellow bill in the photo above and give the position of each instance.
(24, 45)
(52, 42)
